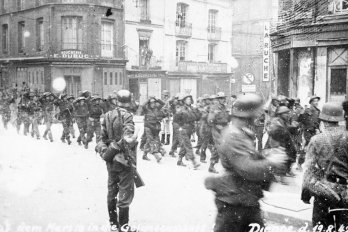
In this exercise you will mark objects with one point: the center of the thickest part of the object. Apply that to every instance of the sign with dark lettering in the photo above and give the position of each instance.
(145, 75)
(266, 51)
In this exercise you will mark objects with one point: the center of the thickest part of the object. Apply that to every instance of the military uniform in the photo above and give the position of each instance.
(116, 125)
(5, 110)
(93, 123)
(34, 115)
(81, 116)
(65, 116)
(175, 127)
(48, 111)
(23, 116)
(218, 118)
(152, 127)
(310, 121)
(186, 116)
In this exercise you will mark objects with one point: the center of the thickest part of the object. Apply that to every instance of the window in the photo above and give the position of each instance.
(37, 3)
(181, 14)
(72, 32)
(5, 38)
(40, 36)
(338, 81)
(121, 79)
(181, 47)
(212, 21)
(20, 4)
(105, 78)
(107, 37)
(37, 77)
(340, 6)
(42, 77)
(21, 38)
(110, 78)
(211, 52)
(144, 14)
(116, 76)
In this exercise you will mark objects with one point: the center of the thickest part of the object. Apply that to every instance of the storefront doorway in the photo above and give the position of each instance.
(73, 85)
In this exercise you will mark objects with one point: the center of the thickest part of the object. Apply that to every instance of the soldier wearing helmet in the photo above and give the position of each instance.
(34, 114)
(65, 115)
(174, 105)
(81, 115)
(153, 116)
(95, 111)
(47, 101)
(5, 111)
(218, 118)
(118, 125)
(280, 136)
(186, 116)
(327, 164)
(248, 172)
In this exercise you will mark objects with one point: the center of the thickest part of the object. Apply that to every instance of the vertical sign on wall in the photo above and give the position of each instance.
(266, 52)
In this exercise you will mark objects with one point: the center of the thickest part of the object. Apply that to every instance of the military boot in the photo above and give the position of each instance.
(124, 220)
(212, 168)
(172, 154)
(145, 157)
(180, 163)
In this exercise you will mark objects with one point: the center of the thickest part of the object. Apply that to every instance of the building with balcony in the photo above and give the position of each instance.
(251, 23)
(177, 45)
(197, 46)
(311, 49)
(75, 39)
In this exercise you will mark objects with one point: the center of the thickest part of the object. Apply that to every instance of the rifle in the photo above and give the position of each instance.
(128, 146)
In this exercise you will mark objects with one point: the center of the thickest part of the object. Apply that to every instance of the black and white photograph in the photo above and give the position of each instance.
(173, 116)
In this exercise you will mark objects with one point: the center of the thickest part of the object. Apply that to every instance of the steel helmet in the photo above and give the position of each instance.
(85, 94)
(313, 98)
(124, 96)
(332, 112)
(220, 95)
(70, 97)
(247, 105)
(282, 110)
(165, 93)
(213, 97)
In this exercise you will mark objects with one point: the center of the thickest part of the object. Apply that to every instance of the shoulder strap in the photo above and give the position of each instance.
(335, 146)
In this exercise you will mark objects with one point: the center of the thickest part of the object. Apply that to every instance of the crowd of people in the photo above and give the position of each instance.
(257, 143)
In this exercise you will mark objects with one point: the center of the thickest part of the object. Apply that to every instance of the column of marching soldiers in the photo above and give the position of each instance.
(210, 112)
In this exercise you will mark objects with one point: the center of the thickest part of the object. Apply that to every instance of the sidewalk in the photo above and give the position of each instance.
(282, 204)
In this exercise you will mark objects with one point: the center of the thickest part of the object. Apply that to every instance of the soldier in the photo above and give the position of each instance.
(47, 102)
(202, 123)
(65, 116)
(23, 110)
(309, 119)
(327, 175)
(5, 111)
(174, 104)
(34, 115)
(247, 172)
(71, 100)
(152, 126)
(81, 116)
(93, 123)
(118, 125)
(280, 136)
(218, 118)
(186, 115)
(165, 125)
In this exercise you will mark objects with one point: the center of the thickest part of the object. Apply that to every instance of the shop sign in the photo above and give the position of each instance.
(72, 54)
(248, 88)
(266, 52)
(145, 75)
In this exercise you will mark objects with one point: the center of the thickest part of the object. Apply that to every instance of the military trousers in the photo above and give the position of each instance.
(120, 189)
(175, 141)
(82, 126)
(48, 125)
(153, 143)
(93, 127)
(186, 149)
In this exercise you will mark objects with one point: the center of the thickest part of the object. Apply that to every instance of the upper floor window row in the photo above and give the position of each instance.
(339, 6)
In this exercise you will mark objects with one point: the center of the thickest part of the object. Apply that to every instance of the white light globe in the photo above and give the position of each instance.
(59, 84)
(26, 34)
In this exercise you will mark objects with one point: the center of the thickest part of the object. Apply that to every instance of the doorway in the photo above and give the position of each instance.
(73, 85)
(338, 84)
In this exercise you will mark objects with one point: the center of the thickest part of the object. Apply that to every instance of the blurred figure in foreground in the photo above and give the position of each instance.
(247, 172)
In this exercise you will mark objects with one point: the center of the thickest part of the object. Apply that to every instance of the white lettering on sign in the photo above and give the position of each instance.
(71, 55)
(266, 52)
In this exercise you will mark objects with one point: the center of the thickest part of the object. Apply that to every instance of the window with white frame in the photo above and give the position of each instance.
(116, 77)
(105, 78)
(181, 49)
(107, 38)
(21, 37)
(5, 38)
(212, 21)
(144, 10)
(181, 14)
(211, 53)
(340, 6)
(111, 78)
(40, 36)
(71, 32)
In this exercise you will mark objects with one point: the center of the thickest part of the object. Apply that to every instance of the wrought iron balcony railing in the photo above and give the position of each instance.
(183, 29)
